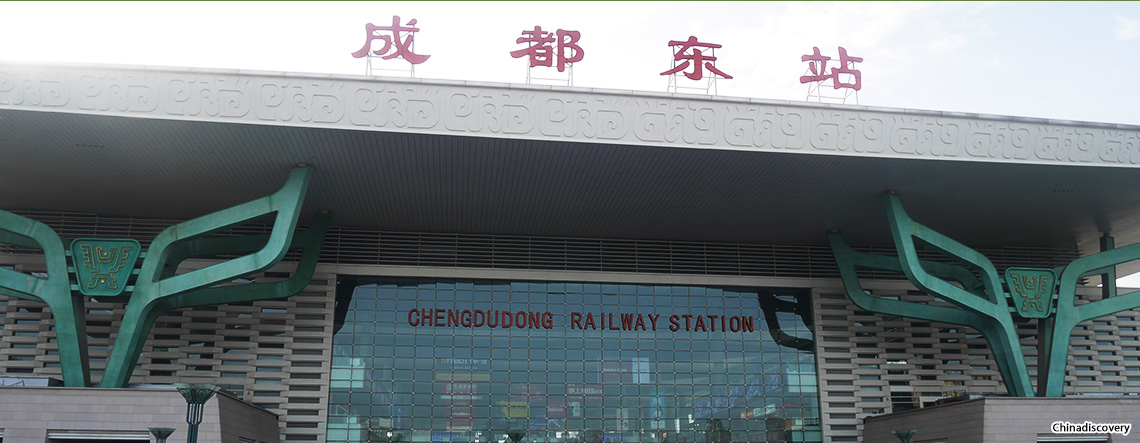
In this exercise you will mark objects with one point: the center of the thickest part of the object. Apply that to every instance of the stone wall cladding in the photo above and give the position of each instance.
(1013, 420)
(28, 414)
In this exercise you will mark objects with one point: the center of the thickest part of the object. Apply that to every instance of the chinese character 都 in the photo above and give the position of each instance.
(817, 64)
(543, 54)
(402, 47)
(699, 60)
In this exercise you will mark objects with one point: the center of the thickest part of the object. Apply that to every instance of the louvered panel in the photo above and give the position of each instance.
(375, 247)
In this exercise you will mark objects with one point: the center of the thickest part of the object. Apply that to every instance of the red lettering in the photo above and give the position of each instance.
(534, 320)
(700, 326)
(746, 324)
(425, 317)
(492, 317)
(438, 317)
(520, 319)
(734, 324)
(548, 320)
(699, 60)
(506, 321)
(540, 51)
(712, 323)
(687, 318)
(653, 319)
(590, 322)
(465, 318)
(674, 325)
(479, 318)
(612, 327)
(626, 322)
(576, 320)
(396, 42)
(411, 315)
(452, 317)
(817, 64)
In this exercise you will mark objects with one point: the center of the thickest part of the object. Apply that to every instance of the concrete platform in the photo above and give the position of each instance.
(58, 414)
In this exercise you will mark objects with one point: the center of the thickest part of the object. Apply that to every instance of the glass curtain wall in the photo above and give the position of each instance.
(498, 361)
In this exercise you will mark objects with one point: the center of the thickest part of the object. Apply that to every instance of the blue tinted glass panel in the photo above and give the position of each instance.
(429, 360)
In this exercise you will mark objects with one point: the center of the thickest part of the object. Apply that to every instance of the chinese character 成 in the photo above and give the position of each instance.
(541, 52)
(402, 47)
(699, 60)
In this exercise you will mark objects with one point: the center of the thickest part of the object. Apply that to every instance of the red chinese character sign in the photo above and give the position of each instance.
(395, 45)
(845, 76)
(558, 49)
(688, 54)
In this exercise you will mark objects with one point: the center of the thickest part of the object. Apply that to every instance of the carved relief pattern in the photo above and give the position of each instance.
(1032, 291)
(95, 258)
(535, 113)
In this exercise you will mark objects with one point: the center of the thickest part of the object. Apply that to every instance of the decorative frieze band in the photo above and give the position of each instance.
(565, 114)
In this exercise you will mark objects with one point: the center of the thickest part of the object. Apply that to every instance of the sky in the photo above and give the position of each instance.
(1058, 60)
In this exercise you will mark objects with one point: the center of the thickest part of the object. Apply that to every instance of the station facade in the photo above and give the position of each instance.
(549, 264)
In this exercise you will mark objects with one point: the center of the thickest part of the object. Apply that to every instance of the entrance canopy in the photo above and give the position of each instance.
(463, 157)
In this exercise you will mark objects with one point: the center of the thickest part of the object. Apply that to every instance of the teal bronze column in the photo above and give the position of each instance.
(104, 267)
(986, 302)
(67, 307)
(159, 291)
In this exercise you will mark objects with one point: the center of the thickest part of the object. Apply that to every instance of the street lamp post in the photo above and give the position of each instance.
(160, 434)
(904, 436)
(196, 397)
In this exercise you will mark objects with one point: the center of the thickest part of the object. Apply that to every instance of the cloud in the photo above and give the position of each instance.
(1126, 29)
(950, 42)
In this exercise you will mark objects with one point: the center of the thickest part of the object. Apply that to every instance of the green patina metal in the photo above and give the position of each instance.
(1032, 291)
(102, 265)
(158, 288)
(54, 291)
(160, 434)
(1069, 314)
(196, 396)
(981, 301)
(904, 436)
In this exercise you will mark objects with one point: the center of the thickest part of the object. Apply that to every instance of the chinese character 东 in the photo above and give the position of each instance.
(543, 54)
(699, 60)
(817, 64)
(402, 47)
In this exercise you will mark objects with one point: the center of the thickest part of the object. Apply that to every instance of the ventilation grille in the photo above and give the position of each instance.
(378, 247)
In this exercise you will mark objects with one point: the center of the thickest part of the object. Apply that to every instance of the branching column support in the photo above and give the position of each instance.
(984, 303)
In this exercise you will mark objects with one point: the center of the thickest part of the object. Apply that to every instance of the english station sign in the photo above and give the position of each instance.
(636, 321)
